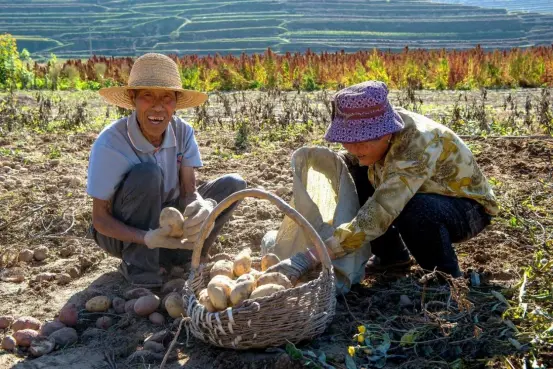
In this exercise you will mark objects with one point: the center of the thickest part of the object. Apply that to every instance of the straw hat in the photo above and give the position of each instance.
(153, 71)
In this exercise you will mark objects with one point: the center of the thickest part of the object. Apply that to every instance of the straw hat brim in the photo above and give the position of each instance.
(119, 96)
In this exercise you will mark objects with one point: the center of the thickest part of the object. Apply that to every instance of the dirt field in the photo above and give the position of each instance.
(43, 203)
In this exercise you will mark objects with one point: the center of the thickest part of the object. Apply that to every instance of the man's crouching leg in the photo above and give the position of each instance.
(218, 190)
(137, 203)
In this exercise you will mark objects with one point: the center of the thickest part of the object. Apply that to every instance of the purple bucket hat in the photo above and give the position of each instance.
(362, 112)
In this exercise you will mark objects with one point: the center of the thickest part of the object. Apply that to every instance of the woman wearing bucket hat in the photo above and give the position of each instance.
(419, 185)
(144, 162)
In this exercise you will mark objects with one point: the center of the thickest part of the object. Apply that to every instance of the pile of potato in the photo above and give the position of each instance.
(39, 339)
(29, 334)
(233, 282)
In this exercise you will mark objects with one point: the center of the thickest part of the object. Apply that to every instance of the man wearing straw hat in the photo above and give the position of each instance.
(419, 188)
(144, 162)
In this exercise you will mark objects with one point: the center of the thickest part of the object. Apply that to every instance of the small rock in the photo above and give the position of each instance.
(50, 327)
(63, 278)
(137, 293)
(104, 322)
(25, 255)
(281, 191)
(129, 306)
(156, 318)
(42, 346)
(67, 251)
(85, 263)
(154, 346)
(41, 253)
(92, 334)
(6, 321)
(64, 337)
(118, 305)
(74, 272)
(174, 285)
(72, 181)
(26, 322)
(54, 162)
(45, 277)
(404, 300)
(8, 343)
(263, 214)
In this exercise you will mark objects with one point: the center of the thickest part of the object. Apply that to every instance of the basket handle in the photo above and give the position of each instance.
(289, 211)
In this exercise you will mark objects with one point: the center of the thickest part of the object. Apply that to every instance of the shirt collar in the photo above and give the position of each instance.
(141, 143)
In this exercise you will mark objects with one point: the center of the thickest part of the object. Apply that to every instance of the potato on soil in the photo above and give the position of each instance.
(24, 337)
(41, 346)
(241, 292)
(222, 267)
(104, 322)
(156, 318)
(268, 261)
(146, 305)
(171, 217)
(64, 337)
(174, 306)
(9, 343)
(203, 299)
(69, 315)
(25, 255)
(98, 304)
(266, 290)
(118, 305)
(274, 278)
(50, 327)
(6, 321)
(26, 322)
(40, 253)
(242, 262)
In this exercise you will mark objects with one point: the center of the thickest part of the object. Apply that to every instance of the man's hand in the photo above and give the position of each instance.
(293, 268)
(159, 238)
(195, 214)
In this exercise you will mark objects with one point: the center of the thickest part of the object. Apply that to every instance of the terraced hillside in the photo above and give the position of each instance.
(79, 28)
(537, 6)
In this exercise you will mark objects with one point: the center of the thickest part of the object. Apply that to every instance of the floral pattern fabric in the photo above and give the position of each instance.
(424, 157)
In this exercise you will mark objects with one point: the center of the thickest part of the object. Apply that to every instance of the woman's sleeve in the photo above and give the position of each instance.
(403, 177)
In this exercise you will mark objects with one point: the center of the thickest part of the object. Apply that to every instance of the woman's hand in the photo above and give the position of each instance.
(294, 267)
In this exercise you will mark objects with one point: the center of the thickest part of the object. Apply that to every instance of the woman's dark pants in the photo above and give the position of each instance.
(427, 226)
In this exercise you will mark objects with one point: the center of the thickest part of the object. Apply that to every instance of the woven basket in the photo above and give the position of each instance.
(291, 315)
